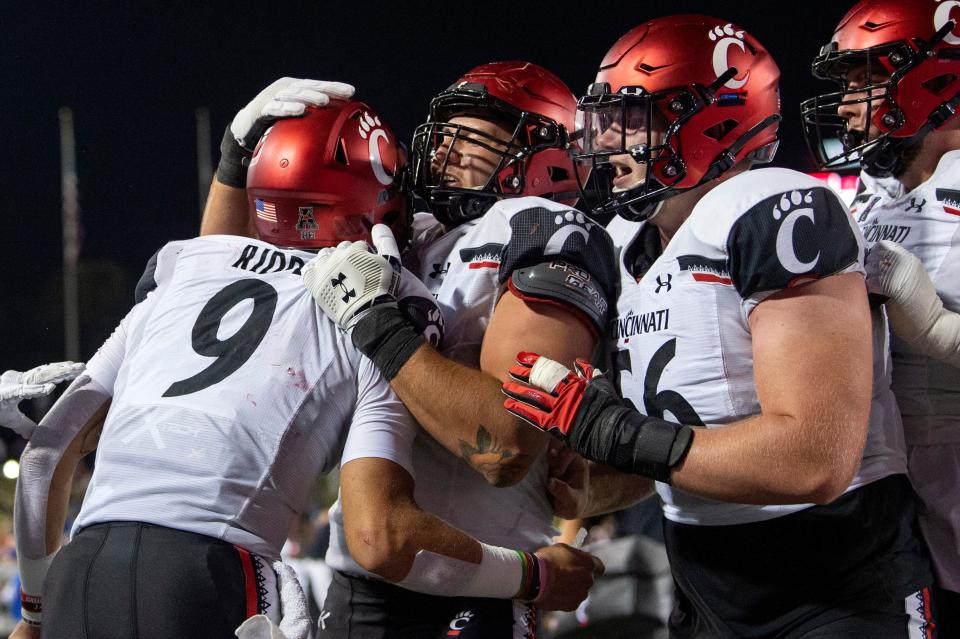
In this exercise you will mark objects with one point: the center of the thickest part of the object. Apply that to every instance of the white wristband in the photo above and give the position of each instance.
(498, 575)
(33, 572)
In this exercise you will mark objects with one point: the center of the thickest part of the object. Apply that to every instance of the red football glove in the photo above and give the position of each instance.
(584, 410)
(551, 399)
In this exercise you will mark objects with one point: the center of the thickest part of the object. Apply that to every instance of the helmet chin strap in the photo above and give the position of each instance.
(892, 156)
(643, 212)
(656, 210)
(454, 209)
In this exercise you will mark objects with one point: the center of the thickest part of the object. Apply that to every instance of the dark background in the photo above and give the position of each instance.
(135, 72)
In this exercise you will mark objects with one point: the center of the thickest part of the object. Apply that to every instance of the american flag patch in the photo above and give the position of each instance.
(266, 210)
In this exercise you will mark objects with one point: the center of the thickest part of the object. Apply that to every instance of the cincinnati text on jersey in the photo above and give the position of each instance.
(892, 232)
(641, 323)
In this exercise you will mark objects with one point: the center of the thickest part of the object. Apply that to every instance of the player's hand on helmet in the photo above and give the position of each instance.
(583, 409)
(284, 98)
(36, 382)
(570, 574)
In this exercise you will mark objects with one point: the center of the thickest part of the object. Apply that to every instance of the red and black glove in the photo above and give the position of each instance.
(584, 410)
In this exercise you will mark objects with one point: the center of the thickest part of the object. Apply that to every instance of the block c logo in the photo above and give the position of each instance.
(941, 16)
(726, 37)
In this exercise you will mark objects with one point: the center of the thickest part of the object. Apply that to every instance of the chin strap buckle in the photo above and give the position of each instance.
(944, 112)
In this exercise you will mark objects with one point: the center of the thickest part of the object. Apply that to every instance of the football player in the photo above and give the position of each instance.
(508, 262)
(221, 396)
(742, 351)
(897, 64)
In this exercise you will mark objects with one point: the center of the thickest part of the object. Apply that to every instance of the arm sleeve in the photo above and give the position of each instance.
(58, 429)
(381, 426)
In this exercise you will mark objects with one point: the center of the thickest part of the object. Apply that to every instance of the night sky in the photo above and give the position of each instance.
(134, 73)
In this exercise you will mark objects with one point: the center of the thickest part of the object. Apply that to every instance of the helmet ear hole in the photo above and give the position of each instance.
(558, 173)
(940, 83)
(719, 131)
(340, 154)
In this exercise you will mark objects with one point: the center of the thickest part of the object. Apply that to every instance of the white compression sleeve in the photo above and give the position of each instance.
(498, 575)
(937, 336)
(76, 407)
(915, 310)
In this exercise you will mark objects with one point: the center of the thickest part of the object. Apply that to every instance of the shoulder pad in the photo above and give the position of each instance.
(562, 282)
(540, 234)
(789, 238)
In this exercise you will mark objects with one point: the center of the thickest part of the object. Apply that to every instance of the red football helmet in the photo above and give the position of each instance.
(677, 101)
(521, 97)
(909, 54)
(327, 177)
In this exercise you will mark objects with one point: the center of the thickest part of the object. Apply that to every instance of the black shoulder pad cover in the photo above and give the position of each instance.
(540, 235)
(147, 281)
(791, 237)
(563, 282)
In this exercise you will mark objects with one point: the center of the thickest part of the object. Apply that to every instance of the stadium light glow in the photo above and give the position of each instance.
(11, 469)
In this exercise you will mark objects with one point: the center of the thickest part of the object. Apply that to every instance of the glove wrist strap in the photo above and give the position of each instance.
(234, 159)
(385, 335)
(636, 443)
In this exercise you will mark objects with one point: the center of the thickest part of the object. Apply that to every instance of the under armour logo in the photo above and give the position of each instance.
(915, 206)
(340, 281)
(439, 272)
(661, 283)
(322, 622)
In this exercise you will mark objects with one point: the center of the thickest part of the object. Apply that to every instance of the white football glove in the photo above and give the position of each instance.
(295, 621)
(914, 308)
(36, 382)
(285, 98)
(349, 280)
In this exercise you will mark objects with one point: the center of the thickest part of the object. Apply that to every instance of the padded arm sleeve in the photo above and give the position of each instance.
(76, 407)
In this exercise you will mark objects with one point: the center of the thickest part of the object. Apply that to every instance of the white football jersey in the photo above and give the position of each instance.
(682, 348)
(926, 222)
(232, 394)
(465, 269)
